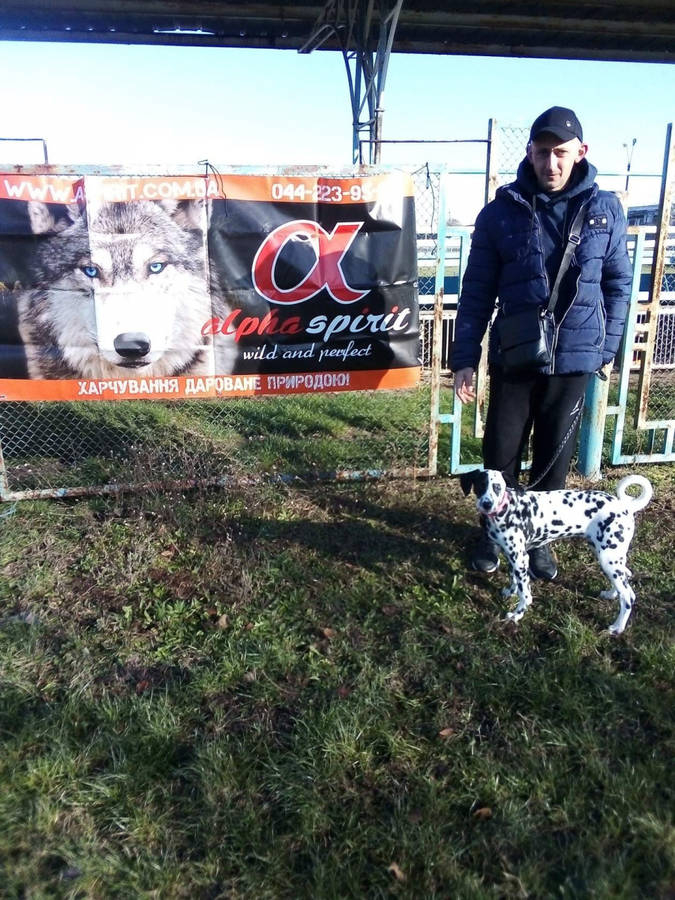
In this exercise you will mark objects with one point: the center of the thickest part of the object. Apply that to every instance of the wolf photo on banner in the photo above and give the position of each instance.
(111, 289)
(117, 286)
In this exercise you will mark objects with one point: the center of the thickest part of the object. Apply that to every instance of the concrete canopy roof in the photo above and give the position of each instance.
(630, 30)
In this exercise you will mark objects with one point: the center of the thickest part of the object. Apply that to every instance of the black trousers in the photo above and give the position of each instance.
(543, 405)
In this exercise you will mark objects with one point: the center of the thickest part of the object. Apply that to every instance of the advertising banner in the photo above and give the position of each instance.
(121, 287)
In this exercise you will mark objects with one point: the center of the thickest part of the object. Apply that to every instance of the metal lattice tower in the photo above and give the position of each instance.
(365, 31)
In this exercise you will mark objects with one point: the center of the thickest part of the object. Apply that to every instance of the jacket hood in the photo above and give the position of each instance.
(582, 178)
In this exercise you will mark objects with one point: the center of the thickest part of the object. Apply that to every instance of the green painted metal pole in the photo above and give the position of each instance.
(593, 426)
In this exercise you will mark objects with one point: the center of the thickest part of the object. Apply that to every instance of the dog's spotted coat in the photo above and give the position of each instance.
(519, 521)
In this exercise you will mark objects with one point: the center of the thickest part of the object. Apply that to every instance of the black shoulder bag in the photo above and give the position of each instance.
(526, 340)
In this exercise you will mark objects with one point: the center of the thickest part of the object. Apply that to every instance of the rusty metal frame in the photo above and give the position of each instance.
(31, 141)
(183, 484)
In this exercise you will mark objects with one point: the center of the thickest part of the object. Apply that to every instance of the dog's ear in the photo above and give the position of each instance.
(467, 481)
(49, 218)
(188, 214)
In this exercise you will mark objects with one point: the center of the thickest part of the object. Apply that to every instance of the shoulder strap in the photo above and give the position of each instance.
(573, 241)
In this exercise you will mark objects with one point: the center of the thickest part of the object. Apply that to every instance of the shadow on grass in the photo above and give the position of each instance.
(282, 691)
(170, 762)
(354, 528)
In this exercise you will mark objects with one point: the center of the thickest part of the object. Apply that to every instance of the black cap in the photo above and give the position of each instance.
(557, 120)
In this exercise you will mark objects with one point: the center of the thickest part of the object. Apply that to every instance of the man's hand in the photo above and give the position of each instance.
(464, 385)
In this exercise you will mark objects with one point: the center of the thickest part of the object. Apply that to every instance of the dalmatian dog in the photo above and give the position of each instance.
(519, 520)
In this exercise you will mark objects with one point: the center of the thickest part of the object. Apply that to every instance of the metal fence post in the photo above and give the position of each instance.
(492, 161)
(437, 337)
(593, 427)
(4, 488)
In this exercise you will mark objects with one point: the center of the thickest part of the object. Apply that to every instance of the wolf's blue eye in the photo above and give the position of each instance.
(154, 268)
(91, 271)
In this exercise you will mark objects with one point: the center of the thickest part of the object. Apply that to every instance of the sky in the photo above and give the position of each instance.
(104, 104)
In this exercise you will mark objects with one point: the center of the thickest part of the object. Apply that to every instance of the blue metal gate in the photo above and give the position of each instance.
(628, 419)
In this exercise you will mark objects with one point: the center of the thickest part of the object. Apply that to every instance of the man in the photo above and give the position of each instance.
(516, 251)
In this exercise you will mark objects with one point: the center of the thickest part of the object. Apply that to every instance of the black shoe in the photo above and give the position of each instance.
(485, 555)
(542, 564)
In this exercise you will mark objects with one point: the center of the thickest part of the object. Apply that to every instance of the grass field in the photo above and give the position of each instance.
(283, 691)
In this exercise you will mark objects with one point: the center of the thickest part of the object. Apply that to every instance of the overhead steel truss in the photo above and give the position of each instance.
(364, 31)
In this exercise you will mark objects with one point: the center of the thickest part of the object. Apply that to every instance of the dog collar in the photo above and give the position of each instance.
(503, 503)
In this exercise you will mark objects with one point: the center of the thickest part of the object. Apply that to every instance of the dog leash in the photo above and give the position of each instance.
(561, 445)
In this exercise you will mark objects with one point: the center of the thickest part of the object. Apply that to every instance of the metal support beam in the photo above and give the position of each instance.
(365, 31)
(32, 141)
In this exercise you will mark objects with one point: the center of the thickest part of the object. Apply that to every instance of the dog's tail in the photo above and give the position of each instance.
(642, 499)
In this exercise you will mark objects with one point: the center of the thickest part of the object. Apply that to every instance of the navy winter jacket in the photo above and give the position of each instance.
(508, 260)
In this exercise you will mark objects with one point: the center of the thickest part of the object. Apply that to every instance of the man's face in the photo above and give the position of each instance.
(554, 160)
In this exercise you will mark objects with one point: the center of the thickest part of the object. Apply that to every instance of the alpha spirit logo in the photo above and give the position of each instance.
(329, 250)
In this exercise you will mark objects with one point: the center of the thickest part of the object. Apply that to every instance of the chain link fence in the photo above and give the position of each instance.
(428, 186)
(66, 448)
(69, 448)
(656, 317)
(511, 142)
(659, 402)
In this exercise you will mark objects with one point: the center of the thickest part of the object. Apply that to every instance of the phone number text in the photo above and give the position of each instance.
(324, 193)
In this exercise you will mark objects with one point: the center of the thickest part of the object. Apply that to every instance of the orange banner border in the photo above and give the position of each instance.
(268, 188)
(206, 386)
